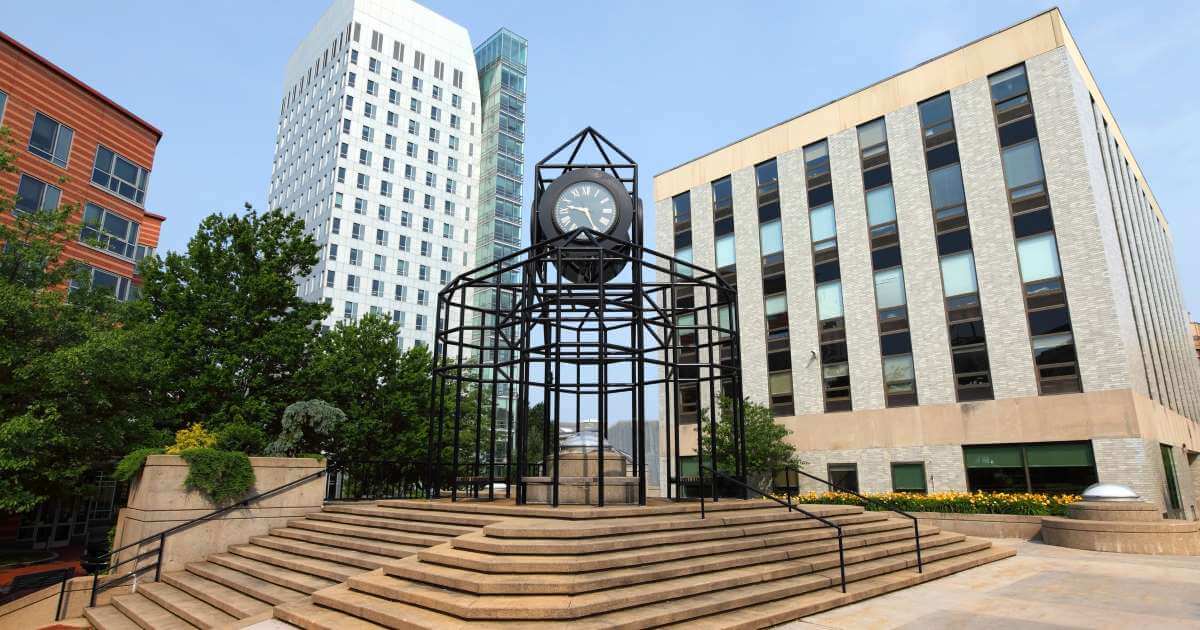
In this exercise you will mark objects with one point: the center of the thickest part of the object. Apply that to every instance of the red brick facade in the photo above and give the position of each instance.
(33, 84)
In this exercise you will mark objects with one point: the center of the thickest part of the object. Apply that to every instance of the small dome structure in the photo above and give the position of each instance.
(1109, 492)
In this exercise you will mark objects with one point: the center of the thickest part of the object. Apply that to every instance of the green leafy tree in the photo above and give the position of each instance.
(226, 315)
(75, 380)
(359, 368)
(767, 448)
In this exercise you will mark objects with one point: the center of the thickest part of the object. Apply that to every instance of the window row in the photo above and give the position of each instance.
(51, 140)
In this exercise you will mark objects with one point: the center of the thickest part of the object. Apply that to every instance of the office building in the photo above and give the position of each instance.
(501, 63)
(957, 278)
(76, 146)
(377, 149)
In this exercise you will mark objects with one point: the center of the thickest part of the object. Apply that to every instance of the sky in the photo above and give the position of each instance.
(664, 80)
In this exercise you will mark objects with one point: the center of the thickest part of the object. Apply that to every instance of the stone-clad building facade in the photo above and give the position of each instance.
(956, 278)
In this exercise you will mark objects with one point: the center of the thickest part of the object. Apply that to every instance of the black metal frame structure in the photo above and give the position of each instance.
(587, 344)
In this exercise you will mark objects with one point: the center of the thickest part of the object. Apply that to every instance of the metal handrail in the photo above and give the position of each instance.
(867, 500)
(162, 536)
(790, 507)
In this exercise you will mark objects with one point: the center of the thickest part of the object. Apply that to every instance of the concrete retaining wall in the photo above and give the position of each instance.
(159, 501)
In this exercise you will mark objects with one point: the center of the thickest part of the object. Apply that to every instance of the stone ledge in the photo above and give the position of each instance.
(1158, 538)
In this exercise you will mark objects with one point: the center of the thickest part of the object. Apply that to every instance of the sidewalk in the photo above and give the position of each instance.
(1042, 588)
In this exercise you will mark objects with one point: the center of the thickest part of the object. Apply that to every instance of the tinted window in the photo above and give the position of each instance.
(1049, 321)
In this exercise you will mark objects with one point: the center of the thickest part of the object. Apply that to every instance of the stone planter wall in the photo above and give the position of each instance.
(984, 525)
(159, 501)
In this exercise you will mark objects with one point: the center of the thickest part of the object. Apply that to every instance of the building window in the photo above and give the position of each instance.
(120, 286)
(3, 104)
(964, 317)
(1169, 474)
(844, 476)
(1054, 467)
(723, 229)
(119, 175)
(909, 477)
(1046, 306)
(35, 195)
(835, 366)
(50, 139)
(900, 388)
(779, 356)
(108, 231)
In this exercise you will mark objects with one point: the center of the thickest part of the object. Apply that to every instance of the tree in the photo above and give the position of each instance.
(230, 324)
(359, 368)
(767, 449)
(308, 426)
(75, 381)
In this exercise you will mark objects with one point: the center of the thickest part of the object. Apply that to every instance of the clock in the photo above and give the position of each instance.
(587, 199)
(585, 204)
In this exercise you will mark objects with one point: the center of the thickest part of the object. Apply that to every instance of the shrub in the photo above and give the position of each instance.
(306, 426)
(243, 438)
(131, 464)
(195, 436)
(221, 475)
(1031, 504)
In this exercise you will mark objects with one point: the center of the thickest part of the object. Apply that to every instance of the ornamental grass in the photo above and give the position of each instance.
(1025, 503)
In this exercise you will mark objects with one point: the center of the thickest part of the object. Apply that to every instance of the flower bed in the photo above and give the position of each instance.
(1029, 504)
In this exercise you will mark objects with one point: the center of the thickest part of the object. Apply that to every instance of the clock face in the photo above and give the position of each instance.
(585, 205)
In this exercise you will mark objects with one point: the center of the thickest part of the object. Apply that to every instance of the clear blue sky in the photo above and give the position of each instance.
(666, 81)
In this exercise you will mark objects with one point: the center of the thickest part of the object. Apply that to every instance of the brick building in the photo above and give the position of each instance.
(76, 146)
(956, 278)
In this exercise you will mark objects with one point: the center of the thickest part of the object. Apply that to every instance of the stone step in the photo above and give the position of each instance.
(285, 553)
(287, 578)
(409, 513)
(763, 603)
(305, 614)
(860, 562)
(478, 541)
(108, 618)
(503, 510)
(415, 538)
(578, 563)
(378, 518)
(788, 609)
(77, 623)
(183, 605)
(147, 614)
(377, 547)
(686, 564)
(518, 528)
(236, 603)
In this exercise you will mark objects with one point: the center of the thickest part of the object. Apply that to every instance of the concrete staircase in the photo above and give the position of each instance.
(239, 587)
(749, 564)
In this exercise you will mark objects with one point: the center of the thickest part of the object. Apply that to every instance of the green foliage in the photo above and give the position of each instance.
(222, 476)
(244, 438)
(1030, 504)
(767, 448)
(384, 392)
(307, 426)
(131, 464)
(194, 436)
(226, 315)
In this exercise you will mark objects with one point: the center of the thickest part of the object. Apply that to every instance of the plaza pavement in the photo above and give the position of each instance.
(1042, 588)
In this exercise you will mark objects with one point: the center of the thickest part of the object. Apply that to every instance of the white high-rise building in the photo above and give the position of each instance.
(377, 150)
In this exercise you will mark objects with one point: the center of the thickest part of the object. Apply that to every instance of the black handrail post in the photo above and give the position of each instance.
(917, 539)
(842, 558)
(701, 471)
(162, 542)
(62, 589)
